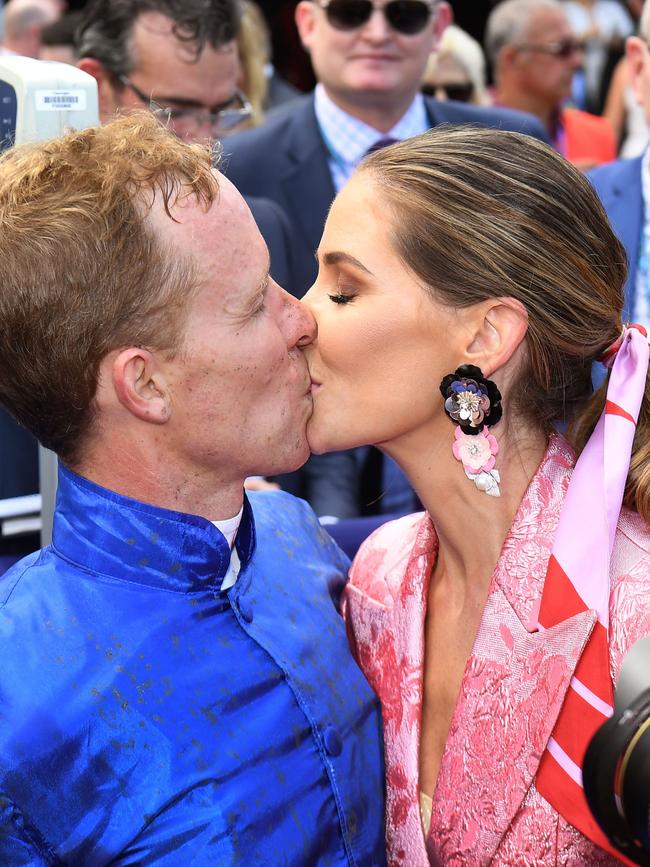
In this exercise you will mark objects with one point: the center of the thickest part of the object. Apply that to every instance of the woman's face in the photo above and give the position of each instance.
(383, 344)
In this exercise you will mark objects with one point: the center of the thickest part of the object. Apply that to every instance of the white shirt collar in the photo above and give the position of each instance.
(228, 528)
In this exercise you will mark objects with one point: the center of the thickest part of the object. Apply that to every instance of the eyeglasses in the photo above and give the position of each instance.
(188, 121)
(459, 91)
(405, 16)
(563, 49)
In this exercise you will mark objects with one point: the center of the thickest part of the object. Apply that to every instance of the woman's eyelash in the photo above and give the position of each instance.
(340, 298)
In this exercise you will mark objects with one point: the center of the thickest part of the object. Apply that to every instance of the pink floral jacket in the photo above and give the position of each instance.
(486, 809)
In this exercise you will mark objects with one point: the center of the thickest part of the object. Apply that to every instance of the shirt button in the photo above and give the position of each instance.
(333, 743)
(245, 610)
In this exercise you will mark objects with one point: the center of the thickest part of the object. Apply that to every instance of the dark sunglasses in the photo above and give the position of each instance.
(564, 49)
(460, 92)
(405, 16)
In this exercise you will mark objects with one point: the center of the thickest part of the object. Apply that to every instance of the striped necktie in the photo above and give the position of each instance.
(577, 580)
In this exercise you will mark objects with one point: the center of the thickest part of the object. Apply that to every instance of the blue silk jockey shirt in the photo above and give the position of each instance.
(147, 717)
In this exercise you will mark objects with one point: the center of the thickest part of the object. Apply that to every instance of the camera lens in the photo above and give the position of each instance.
(635, 782)
(616, 778)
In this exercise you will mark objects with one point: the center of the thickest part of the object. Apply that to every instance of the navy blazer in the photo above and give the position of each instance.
(619, 186)
(285, 160)
(276, 231)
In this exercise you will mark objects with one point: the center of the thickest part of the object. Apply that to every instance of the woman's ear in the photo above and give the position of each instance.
(499, 327)
(139, 385)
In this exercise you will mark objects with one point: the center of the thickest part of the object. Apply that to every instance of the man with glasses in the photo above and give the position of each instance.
(534, 56)
(369, 57)
(180, 59)
(190, 122)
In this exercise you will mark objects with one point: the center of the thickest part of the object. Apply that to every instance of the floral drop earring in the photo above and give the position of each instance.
(473, 403)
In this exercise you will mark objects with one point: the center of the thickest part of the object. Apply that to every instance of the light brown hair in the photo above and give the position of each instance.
(253, 44)
(482, 213)
(81, 271)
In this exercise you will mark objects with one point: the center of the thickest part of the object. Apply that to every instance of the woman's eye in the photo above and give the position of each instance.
(341, 298)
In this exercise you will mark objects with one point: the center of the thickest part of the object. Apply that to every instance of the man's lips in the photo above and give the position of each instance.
(384, 58)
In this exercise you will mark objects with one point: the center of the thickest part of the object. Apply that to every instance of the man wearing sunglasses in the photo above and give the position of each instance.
(535, 55)
(369, 58)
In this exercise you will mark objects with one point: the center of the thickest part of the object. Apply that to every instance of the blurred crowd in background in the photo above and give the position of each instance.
(276, 68)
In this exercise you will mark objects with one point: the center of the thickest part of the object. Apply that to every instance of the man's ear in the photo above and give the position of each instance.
(139, 384)
(106, 93)
(305, 22)
(636, 53)
(443, 17)
(499, 326)
(507, 58)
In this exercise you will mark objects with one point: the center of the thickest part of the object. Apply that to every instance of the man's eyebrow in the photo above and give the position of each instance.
(181, 102)
(336, 257)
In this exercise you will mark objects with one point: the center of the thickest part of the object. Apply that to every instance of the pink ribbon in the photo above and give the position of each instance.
(577, 580)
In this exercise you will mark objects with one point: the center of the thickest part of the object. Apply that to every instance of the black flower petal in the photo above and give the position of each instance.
(469, 379)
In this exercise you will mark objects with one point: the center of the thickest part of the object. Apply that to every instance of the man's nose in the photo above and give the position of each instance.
(577, 58)
(302, 325)
(376, 28)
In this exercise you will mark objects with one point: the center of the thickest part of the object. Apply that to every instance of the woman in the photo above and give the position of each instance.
(456, 70)
(467, 281)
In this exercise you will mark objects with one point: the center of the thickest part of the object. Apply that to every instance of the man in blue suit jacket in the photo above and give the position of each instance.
(369, 72)
(620, 187)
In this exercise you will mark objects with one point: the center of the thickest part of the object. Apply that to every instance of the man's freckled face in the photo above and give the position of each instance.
(240, 383)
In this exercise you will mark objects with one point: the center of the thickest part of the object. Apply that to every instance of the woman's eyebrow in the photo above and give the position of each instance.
(336, 257)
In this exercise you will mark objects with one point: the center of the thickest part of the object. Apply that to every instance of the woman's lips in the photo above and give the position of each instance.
(314, 386)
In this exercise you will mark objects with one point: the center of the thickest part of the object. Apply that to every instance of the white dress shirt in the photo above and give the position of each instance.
(229, 528)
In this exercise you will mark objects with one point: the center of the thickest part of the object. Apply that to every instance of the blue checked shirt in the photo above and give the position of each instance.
(347, 139)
